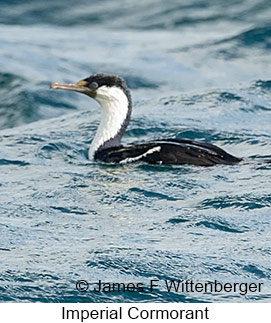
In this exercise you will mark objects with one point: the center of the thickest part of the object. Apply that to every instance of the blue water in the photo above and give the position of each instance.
(197, 70)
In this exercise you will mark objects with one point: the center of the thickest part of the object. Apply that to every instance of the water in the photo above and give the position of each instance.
(197, 70)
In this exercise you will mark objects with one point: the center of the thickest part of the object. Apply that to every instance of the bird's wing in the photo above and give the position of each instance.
(170, 151)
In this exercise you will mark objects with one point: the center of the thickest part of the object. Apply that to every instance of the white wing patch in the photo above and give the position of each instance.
(133, 159)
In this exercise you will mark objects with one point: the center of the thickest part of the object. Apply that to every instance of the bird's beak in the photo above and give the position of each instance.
(80, 86)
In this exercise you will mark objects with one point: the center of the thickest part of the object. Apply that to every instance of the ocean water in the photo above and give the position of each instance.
(197, 70)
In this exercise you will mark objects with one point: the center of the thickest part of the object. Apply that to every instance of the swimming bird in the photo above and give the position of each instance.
(114, 97)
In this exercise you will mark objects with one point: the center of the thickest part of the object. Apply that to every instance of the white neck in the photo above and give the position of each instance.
(114, 109)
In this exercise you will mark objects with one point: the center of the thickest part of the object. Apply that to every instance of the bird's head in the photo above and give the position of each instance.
(101, 87)
(115, 100)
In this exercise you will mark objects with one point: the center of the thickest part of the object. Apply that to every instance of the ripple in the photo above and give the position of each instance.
(243, 202)
(256, 36)
(254, 270)
(150, 194)
(227, 96)
(177, 220)
(67, 210)
(49, 150)
(263, 85)
(13, 162)
(218, 226)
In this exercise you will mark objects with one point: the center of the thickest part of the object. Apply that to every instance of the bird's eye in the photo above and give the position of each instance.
(93, 86)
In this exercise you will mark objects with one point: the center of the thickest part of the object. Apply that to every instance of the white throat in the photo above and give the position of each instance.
(114, 109)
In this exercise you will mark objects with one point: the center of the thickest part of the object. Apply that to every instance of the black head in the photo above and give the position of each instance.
(91, 84)
(97, 80)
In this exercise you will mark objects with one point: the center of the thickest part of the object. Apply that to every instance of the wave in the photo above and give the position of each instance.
(150, 14)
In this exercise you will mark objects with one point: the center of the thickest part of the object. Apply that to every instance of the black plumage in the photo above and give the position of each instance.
(172, 151)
